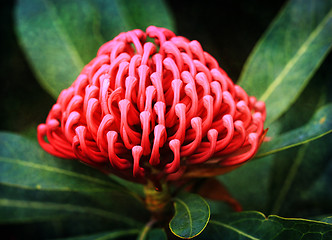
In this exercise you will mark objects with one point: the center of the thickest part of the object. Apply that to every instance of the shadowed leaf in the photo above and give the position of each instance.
(35, 186)
(255, 226)
(251, 179)
(129, 233)
(295, 177)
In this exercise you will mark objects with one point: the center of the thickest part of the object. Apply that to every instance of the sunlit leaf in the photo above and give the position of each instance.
(288, 54)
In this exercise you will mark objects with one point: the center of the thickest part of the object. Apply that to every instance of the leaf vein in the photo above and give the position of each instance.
(56, 170)
(233, 229)
(189, 214)
(278, 80)
(67, 207)
(57, 24)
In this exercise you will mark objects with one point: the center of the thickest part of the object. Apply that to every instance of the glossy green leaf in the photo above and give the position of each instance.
(60, 37)
(255, 226)
(19, 205)
(24, 163)
(318, 126)
(288, 54)
(35, 186)
(192, 213)
(298, 186)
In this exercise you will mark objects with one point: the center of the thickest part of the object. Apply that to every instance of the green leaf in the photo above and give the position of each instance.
(317, 127)
(60, 37)
(297, 176)
(304, 179)
(106, 235)
(23, 163)
(141, 14)
(133, 187)
(149, 233)
(192, 213)
(288, 54)
(51, 51)
(255, 226)
(156, 233)
(35, 186)
(327, 219)
(19, 205)
(248, 181)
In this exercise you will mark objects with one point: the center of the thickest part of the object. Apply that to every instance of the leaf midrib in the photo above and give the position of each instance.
(279, 79)
(66, 207)
(56, 170)
(273, 151)
(233, 229)
(57, 25)
(189, 214)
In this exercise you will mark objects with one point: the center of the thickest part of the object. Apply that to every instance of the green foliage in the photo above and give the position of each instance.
(118, 234)
(288, 54)
(150, 234)
(192, 214)
(60, 37)
(254, 226)
(38, 187)
(295, 172)
(46, 197)
(318, 126)
(20, 157)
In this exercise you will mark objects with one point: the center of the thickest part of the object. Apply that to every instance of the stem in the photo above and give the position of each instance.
(146, 229)
(157, 201)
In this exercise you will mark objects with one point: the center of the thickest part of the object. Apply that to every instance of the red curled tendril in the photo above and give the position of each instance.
(154, 110)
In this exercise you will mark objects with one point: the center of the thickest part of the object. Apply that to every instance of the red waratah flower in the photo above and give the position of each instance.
(154, 110)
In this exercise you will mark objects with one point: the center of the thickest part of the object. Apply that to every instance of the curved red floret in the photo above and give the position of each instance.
(142, 109)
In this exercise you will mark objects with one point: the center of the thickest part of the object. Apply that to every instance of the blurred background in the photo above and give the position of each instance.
(226, 29)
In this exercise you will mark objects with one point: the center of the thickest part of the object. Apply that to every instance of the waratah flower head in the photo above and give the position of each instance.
(153, 104)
